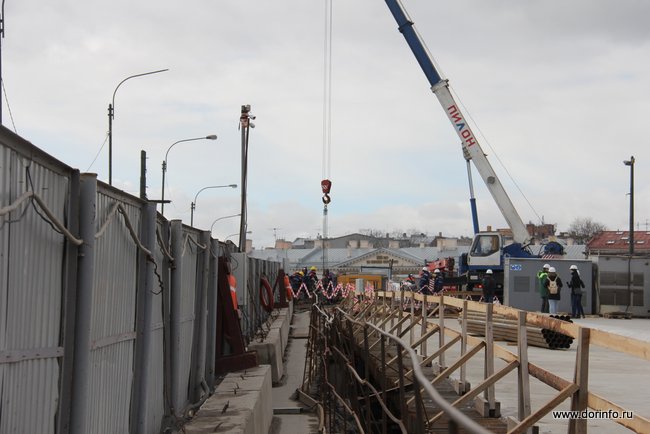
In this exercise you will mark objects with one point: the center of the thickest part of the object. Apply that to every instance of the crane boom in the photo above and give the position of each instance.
(471, 147)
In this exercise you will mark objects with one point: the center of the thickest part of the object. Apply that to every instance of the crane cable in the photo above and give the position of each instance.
(326, 184)
(327, 103)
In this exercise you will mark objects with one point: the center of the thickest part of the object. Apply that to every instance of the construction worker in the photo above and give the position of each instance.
(438, 281)
(553, 285)
(576, 284)
(232, 282)
(409, 283)
(425, 279)
(489, 286)
(543, 292)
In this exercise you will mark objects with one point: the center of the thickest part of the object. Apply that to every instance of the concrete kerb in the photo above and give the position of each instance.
(271, 350)
(240, 404)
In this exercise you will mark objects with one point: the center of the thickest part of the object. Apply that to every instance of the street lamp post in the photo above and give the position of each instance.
(111, 115)
(164, 165)
(222, 218)
(193, 207)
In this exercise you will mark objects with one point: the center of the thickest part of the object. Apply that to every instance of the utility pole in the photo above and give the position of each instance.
(2, 36)
(245, 125)
(630, 163)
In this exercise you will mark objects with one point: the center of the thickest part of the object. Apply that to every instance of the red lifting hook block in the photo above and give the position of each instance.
(326, 185)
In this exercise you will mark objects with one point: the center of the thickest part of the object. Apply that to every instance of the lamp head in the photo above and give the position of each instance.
(232, 185)
(629, 162)
(211, 137)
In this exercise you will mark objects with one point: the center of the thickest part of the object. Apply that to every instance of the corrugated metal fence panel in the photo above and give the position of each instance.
(188, 295)
(113, 317)
(5, 199)
(33, 264)
(155, 391)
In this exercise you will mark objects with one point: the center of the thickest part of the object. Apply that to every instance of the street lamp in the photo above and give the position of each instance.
(111, 115)
(193, 207)
(222, 218)
(237, 233)
(164, 165)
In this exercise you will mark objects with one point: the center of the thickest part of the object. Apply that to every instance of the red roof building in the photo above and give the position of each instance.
(618, 243)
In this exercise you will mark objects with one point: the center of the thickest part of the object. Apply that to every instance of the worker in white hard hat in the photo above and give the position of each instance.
(553, 284)
(543, 292)
(438, 281)
(489, 286)
(425, 279)
(576, 284)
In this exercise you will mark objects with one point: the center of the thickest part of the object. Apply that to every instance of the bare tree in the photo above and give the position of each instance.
(582, 229)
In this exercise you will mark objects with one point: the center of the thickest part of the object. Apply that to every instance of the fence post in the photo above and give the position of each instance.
(144, 298)
(70, 297)
(175, 313)
(211, 326)
(581, 378)
(200, 304)
(524, 378)
(86, 270)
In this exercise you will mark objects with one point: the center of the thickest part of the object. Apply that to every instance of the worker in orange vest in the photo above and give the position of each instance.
(287, 285)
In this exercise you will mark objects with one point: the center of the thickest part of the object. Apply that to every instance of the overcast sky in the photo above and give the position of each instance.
(560, 92)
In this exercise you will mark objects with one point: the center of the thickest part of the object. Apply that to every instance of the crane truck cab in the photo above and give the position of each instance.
(488, 251)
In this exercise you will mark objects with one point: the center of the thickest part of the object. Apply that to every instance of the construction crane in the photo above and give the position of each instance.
(488, 248)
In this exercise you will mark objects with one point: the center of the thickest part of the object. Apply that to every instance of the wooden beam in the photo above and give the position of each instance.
(638, 423)
(620, 343)
(544, 410)
(480, 388)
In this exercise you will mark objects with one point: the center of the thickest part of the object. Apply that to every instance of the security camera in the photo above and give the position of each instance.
(252, 117)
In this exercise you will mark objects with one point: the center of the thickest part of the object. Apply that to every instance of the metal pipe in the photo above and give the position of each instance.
(86, 268)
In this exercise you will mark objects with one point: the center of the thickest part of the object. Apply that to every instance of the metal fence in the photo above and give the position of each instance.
(107, 310)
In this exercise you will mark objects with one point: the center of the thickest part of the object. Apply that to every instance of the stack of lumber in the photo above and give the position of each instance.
(505, 329)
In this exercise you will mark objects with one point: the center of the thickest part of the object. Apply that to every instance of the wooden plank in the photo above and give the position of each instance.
(638, 423)
(479, 388)
(624, 344)
(544, 410)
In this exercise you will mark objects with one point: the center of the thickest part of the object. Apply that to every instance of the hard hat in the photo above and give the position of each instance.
(425, 269)
(551, 270)
(301, 273)
(488, 271)
(573, 267)
(546, 266)
(312, 268)
(436, 271)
